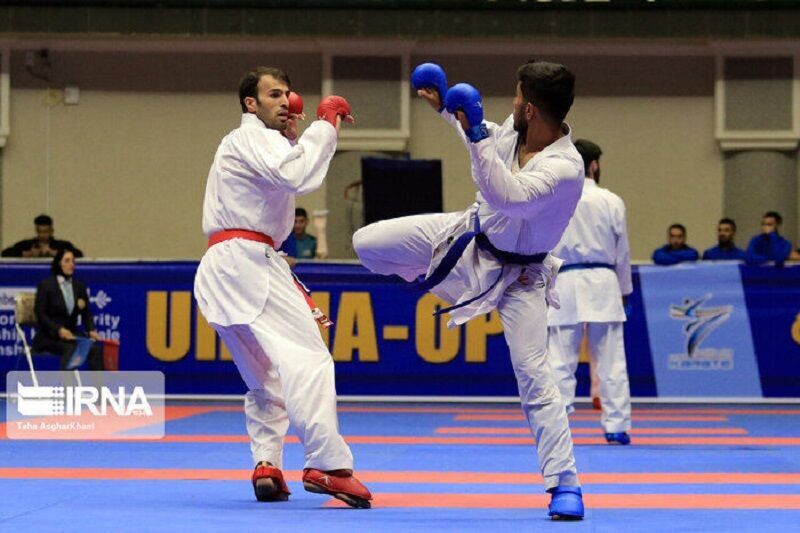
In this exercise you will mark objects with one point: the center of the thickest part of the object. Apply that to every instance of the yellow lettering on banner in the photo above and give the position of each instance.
(176, 346)
(796, 329)
(395, 333)
(430, 327)
(585, 355)
(205, 338)
(224, 353)
(355, 329)
(478, 329)
(323, 301)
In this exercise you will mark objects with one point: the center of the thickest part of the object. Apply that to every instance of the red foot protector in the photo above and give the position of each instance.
(340, 484)
(268, 484)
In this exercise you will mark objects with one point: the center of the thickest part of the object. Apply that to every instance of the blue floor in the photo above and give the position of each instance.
(64, 504)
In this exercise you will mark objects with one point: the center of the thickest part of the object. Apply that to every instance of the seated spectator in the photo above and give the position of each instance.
(300, 244)
(60, 300)
(43, 245)
(676, 251)
(769, 245)
(726, 249)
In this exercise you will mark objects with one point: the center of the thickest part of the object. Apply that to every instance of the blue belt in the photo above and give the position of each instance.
(585, 266)
(448, 263)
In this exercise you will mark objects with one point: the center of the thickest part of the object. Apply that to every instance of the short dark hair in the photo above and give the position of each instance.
(678, 226)
(300, 212)
(774, 214)
(55, 266)
(43, 220)
(549, 86)
(248, 86)
(589, 152)
(728, 221)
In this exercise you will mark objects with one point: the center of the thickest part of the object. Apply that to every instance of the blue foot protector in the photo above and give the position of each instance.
(566, 503)
(618, 438)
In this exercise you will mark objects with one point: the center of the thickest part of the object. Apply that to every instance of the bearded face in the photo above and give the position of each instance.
(271, 104)
(520, 121)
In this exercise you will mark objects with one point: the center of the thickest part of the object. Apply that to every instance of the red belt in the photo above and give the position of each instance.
(228, 234)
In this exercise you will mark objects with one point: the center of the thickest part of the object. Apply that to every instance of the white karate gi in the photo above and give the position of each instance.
(246, 292)
(522, 211)
(591, 300)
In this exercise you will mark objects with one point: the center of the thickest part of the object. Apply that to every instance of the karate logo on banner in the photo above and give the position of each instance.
(699, 323)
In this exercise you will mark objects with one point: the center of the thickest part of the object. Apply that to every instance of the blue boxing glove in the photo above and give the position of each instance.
(430, 76)
(464, 97)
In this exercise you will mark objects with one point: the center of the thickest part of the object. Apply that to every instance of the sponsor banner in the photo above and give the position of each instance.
(773, 300)
(85, 406)
(9, 345)
(386, 340)
(699, 331)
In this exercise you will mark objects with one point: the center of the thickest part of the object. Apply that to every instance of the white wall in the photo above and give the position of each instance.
(123, 172)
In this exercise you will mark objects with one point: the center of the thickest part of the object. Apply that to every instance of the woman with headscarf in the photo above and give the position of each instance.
(60, 300)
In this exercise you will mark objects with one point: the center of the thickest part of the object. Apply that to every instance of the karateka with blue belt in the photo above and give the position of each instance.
(495, 254)
(591, 286)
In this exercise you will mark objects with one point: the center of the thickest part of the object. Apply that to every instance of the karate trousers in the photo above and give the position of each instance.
(607, 349)
(404, 246)
(289, 373)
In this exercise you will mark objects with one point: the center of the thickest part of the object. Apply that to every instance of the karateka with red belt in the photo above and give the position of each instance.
(246, 291)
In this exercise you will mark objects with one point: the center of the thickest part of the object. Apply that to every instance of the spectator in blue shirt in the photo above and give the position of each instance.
(299, 244)
(769, 245)
(725, 250)
(676, 251)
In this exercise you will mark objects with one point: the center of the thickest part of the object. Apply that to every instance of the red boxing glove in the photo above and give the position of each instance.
(332, 106)
(295, 104)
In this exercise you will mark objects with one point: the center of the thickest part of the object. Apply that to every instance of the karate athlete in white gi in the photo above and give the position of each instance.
(247, 293)
(591, 286)
(494, 255)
